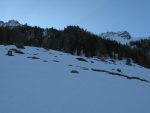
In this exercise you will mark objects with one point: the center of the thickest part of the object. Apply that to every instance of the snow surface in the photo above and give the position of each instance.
(46, 85)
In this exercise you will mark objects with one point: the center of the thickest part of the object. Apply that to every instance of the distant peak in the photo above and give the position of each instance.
(122, 36)
(1, 23)
(10, 23)
(13, 21)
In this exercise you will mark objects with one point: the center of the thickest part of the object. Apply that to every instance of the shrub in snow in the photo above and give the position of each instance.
(9, 53)
(119, 70)
(17, 51)
(55, 61)
(128, 62)
(82, 59)
(74, 71)
(20, 46)
(33, 57)
(92, 61)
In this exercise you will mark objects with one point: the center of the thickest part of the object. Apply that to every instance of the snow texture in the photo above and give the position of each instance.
(46, 84)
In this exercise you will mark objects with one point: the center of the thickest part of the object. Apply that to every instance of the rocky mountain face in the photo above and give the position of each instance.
(122, 37)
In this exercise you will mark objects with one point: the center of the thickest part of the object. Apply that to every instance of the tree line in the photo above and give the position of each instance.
(78, 41)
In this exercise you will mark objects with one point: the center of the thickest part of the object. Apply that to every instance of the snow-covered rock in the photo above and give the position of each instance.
(122, 37)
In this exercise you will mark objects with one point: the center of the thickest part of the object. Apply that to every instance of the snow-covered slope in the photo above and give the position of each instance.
(10, 23)
(42, 81)
(122, 37)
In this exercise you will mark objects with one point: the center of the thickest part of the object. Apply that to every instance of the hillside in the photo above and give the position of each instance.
(72, 71)
(77, 41)
(36, 80)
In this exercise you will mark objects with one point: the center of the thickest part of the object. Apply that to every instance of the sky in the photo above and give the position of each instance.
(96, 16)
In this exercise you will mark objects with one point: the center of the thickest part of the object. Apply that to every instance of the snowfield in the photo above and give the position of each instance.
(48, 81)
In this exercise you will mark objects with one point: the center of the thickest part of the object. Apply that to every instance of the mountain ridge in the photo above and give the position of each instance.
(10, 23)
(123, 37)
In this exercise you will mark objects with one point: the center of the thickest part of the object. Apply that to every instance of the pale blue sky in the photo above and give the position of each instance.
(94, 15)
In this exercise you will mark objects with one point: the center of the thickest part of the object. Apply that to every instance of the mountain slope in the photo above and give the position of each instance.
(42, 81)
